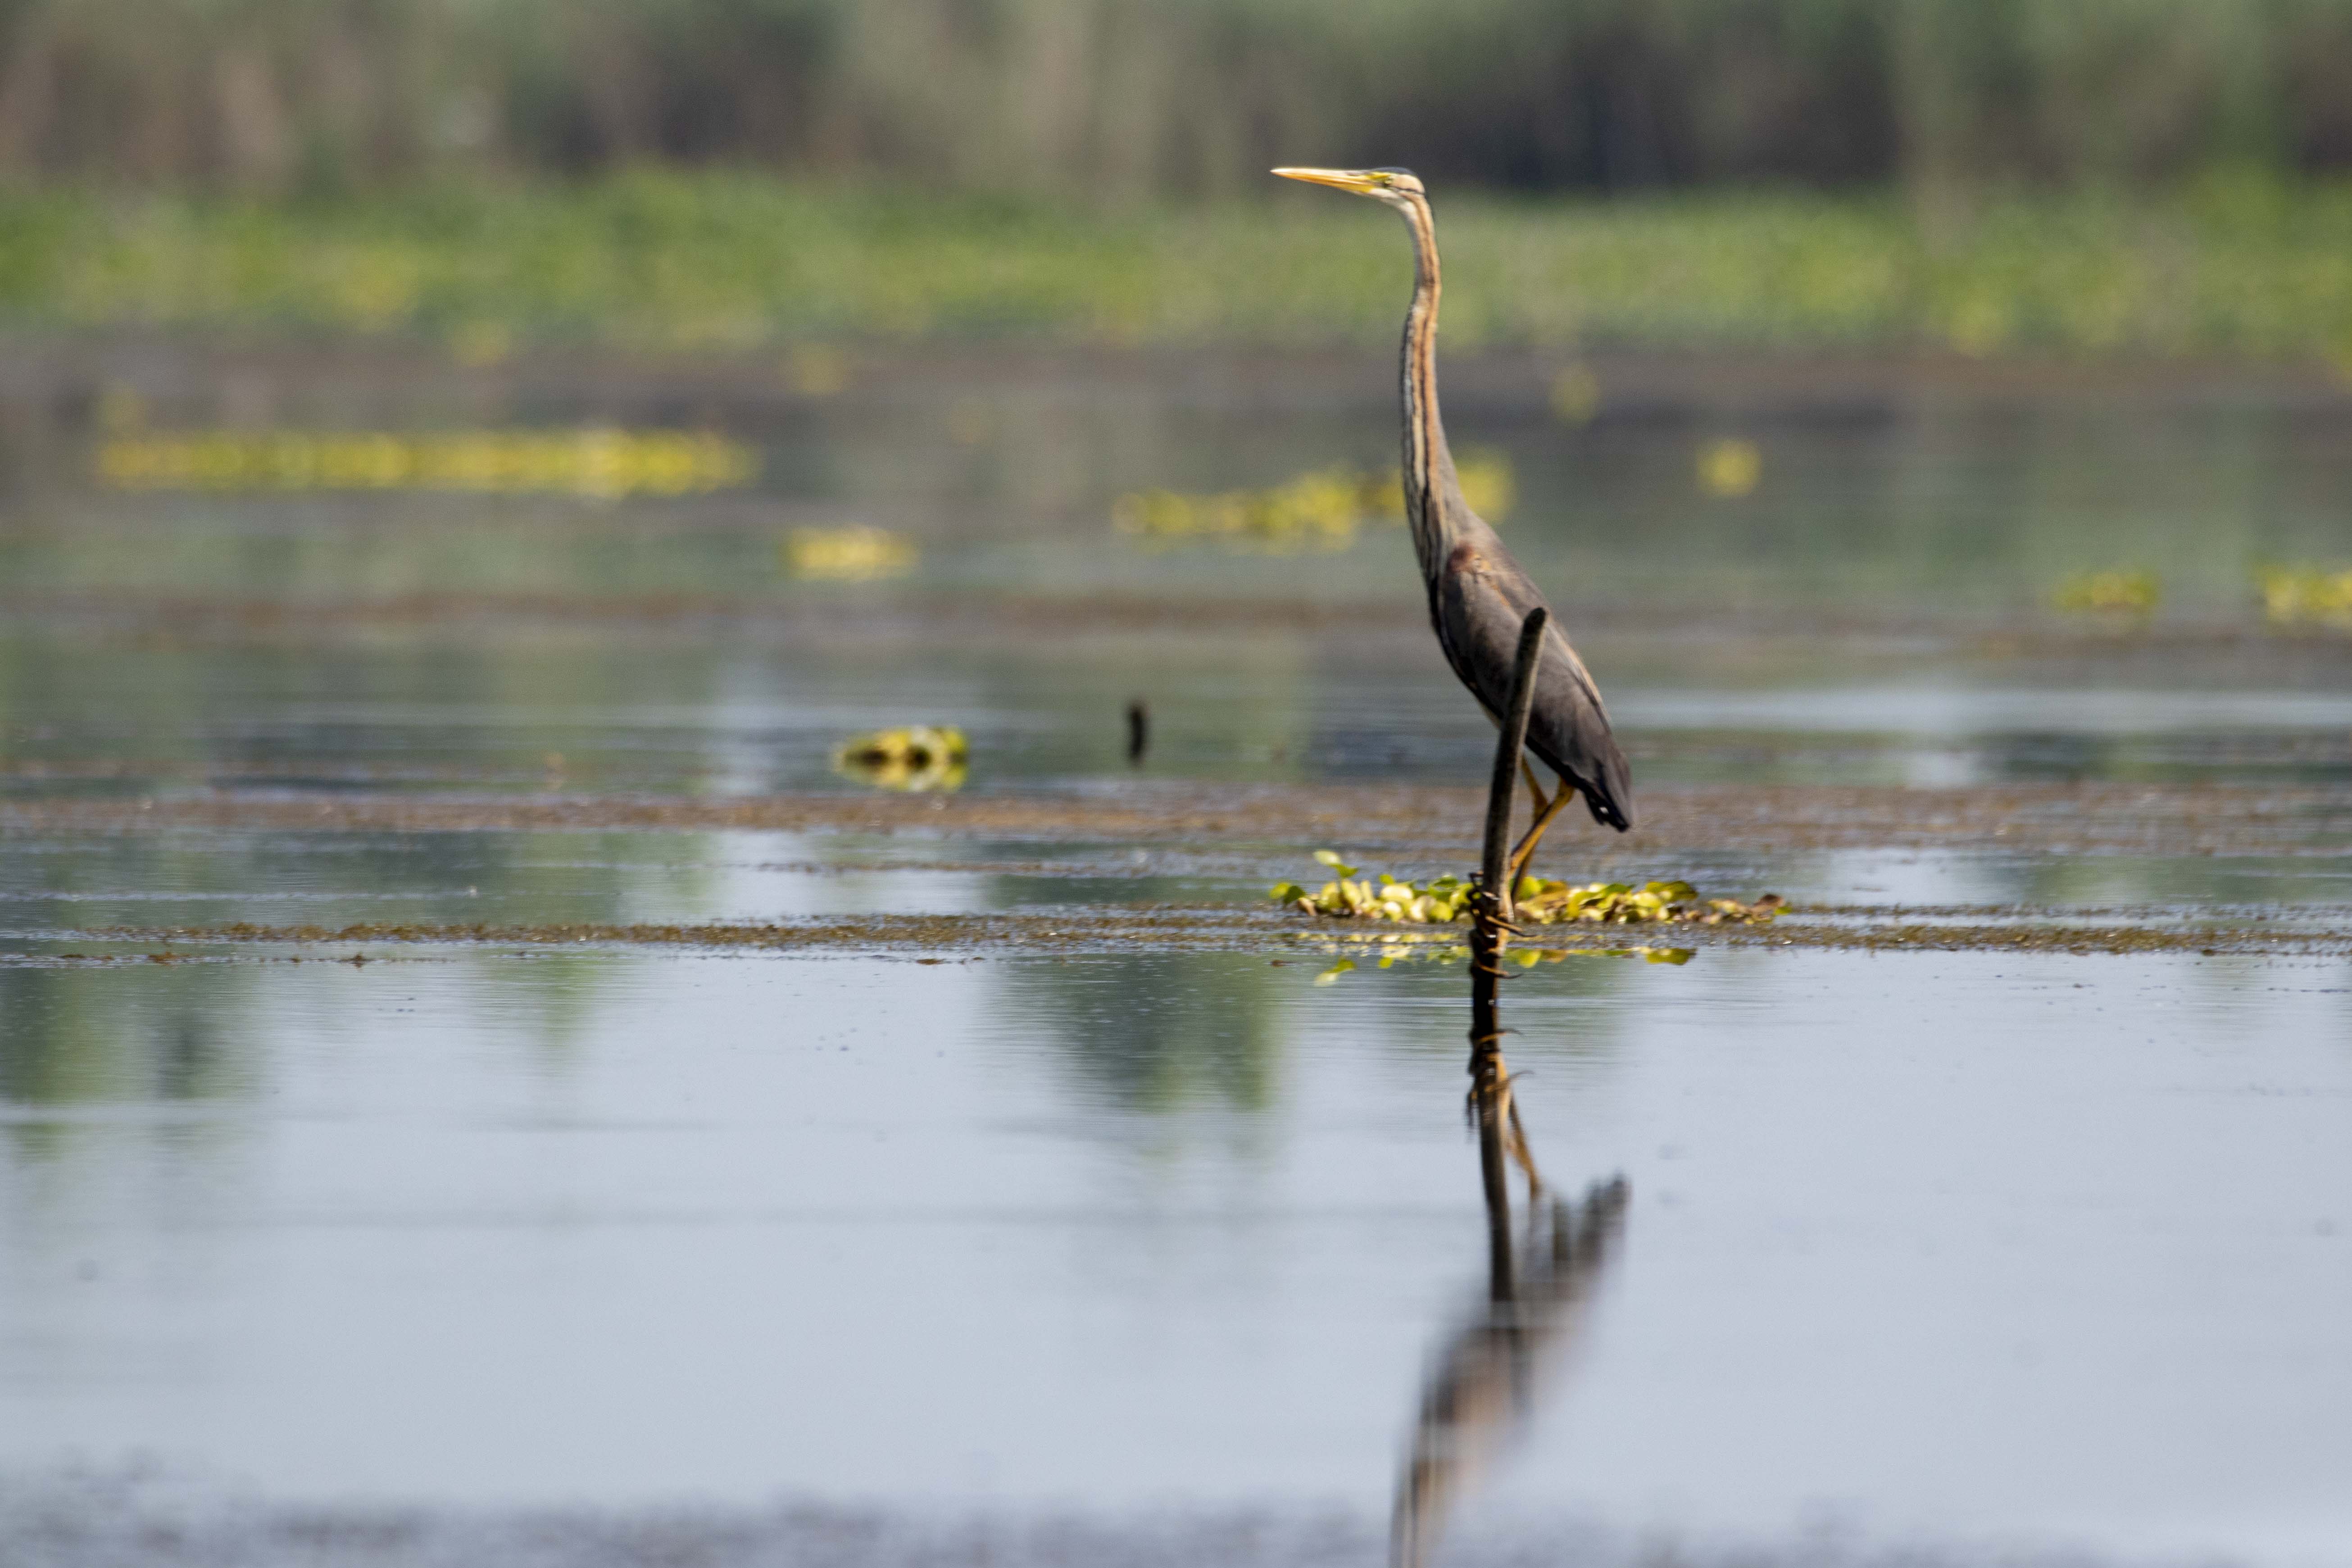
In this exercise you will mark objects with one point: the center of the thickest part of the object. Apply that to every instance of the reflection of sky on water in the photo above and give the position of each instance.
(1961, 711)
(1965, 1242)
(114, 719)
(53, 887)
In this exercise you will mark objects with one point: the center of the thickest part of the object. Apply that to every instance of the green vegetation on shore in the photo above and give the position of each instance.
(2252, 266)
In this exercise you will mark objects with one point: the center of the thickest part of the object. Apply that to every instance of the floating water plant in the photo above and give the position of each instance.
(1539, 900)
(1439, 902)
(917, 757)
(601, 463)
(852, 554)
(1730, 469)
(2110, 592)
(1324, 510)
(2298, 594)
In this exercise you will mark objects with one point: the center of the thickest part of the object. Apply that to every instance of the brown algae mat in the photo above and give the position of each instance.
(1201, 929)
(2053, 818)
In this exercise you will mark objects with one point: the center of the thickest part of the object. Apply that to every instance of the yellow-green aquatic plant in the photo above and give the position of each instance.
(2296, 593)
(853, 554)
(600, 463)
(1537, 900)
(1320, 511)
(2110, 592)
(1730, 469)
(917, 757)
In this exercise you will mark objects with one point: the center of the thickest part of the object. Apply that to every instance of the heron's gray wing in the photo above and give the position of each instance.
(1483, 599)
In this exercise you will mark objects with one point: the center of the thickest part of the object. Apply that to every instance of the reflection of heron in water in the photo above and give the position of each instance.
(1486, 1385)
(1478, 596)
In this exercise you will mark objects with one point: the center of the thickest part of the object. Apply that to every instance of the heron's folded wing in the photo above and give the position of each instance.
(1482, 605)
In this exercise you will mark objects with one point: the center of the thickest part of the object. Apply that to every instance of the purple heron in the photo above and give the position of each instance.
(1478, 596)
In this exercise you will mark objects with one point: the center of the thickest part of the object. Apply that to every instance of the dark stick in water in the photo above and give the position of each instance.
(1490, 1086)
(1139, 731)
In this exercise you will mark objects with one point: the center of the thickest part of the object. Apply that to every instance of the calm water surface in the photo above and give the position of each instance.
(1946, 1245)
(1960, 1250)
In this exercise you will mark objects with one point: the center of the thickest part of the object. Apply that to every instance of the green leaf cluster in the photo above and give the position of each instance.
(915, 757)
(1537, 900)
(1439, 902)
(1540, 901)
(2293, 595)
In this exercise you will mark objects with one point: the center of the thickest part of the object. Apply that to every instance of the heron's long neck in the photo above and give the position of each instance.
(1428, 466)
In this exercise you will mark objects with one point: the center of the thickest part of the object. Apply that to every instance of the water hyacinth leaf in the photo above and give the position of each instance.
(1448, 899)
(1285, 892)
(1331, 975)
(913, 757)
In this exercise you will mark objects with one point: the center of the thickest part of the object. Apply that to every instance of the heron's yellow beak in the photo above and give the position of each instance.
(1354, 181)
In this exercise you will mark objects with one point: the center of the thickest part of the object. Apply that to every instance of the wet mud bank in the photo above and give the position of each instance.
(2056, 819)
(86, 1526)
(1211, 929)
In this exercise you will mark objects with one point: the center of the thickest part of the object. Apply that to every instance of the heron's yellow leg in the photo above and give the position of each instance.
(1550, 809)
(1535, 790)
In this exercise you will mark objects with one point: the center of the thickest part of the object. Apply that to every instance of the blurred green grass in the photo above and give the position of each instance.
(2252, 266)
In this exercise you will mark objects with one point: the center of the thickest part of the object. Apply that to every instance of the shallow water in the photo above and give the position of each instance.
(1953, 1252)
(1943, 1245)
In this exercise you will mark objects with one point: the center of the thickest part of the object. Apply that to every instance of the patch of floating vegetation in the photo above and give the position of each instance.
(2294, 595)
(1729, 469)
(857, 554)
(601, 463)
(2125, 593)
(1325, 510)
(1535, 900)
(916, 757)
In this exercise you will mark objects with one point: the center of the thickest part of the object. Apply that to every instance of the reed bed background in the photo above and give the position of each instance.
(2069, 176)
(1119, 99)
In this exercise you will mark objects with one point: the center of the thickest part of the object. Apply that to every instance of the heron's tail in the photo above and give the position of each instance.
(1611, 797)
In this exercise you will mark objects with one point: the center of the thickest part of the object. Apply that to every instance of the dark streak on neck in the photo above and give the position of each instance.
(1425, 457)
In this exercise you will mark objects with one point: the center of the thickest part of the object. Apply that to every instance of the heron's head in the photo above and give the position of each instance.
(1397, 187)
